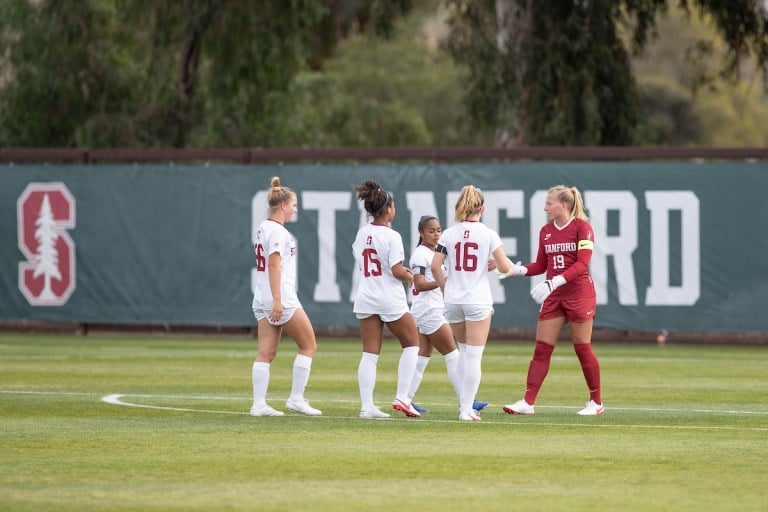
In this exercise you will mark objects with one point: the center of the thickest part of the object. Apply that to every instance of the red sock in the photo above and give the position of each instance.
(537, 370)
(591, 368)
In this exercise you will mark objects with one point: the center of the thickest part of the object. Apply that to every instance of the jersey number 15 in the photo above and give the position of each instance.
(371, 264)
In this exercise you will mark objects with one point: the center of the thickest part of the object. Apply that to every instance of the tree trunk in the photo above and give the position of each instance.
(514, 27)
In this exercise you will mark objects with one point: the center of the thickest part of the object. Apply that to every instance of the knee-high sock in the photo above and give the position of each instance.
(462, 363)
(590, 366)
(366, 378)
(260, 380)
(452, 367)
(418, 375)
(302, 365)
(537, 370)
(405, 369)
(472, 374)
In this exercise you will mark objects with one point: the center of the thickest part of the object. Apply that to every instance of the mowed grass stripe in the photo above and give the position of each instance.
(684, 430)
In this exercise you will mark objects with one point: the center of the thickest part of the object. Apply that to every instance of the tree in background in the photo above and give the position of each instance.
(558, 73)
(146, 73)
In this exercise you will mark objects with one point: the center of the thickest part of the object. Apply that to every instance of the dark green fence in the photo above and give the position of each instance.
(680, 246)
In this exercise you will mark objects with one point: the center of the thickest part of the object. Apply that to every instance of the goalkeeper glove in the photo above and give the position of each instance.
(515, 269)
(542, 290)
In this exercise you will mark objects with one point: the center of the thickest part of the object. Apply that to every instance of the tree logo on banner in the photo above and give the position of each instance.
(45, 212)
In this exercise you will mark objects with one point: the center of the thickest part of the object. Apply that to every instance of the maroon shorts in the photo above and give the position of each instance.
(574, 310)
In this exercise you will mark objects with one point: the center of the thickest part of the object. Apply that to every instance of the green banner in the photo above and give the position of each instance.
(679, 246)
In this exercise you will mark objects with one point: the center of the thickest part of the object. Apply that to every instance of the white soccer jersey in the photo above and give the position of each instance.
(421, 264)
(468, 246)
(270, 238)
(377, 249)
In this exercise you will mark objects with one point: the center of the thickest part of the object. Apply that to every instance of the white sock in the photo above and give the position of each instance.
(405, 370)
(462, 364)
(366, 379)
(452, 367)
(418, 375)
(302, 365)
(472, 374)
(260, 379)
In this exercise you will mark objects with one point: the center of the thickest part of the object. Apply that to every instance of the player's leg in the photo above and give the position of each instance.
(299, 328)
(425, 352)
(547, 332)
(371, 333)
(476, 335)
(404, 329)
(443, 341)
(268, 339)
(581, 335)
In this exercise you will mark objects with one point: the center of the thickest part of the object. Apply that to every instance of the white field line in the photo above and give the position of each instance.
(118, 399)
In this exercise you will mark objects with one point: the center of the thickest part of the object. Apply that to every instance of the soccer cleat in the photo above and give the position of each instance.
(302, 406)
(374, 413)
(519, 407)
(265, 411)
(468, 416)
(592, 409)
(419, 409)
(479, 406)
(405, 408)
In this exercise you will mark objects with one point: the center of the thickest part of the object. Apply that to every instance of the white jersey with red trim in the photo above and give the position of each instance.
(421, 264)
(468, 247)
(272, 237)
(377, 249)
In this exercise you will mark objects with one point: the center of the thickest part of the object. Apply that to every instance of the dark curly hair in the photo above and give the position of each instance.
(375, 199)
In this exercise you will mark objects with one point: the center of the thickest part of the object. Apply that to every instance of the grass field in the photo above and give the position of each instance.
(141, 423)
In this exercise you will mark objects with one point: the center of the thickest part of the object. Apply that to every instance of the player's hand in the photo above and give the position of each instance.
(514, 270)
(276, 313)
(542, 290)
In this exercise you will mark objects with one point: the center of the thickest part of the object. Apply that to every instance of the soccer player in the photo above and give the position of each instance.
(428, 310)
(277, 307)
(381, 299)
(466, 248)
(566, 296)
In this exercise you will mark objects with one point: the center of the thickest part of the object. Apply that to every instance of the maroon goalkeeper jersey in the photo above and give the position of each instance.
(566, 251)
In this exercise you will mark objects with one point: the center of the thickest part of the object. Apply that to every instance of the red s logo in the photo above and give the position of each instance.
(44, 212)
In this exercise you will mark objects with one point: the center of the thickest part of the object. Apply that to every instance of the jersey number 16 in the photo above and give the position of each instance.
(465, 259)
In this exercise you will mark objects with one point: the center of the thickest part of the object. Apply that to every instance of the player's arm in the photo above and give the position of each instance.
(437, 265)
(536, 267)
(402, 273)
(420, 282)
(584, 248)
(275, 277)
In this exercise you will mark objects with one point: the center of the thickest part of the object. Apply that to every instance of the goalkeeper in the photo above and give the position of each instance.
(566, 296)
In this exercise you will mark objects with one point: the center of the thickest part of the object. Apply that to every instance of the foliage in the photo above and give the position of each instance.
(376, 92)
(686, 99)
(560, 74)
(225, 73)
(197, 73)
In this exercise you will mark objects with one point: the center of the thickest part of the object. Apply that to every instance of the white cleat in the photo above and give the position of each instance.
(265, 411)
(405, 408)
(472, 416)
(374, 413)
(302, 406)
(519, 407)
(592, 409)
